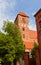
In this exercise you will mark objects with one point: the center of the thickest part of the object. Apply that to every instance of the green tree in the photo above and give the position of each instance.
(7, 48)
(13, 41)
(33, 50)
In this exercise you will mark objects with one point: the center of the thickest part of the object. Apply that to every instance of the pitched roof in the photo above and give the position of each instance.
(23, 14)
(37, 12)
(32, 34)
(29, 44)
(32, 37)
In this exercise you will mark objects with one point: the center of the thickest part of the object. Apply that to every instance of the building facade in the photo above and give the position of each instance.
(28, 36)
(38, 25)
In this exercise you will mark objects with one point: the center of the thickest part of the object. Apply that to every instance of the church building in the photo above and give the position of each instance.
(28, 36)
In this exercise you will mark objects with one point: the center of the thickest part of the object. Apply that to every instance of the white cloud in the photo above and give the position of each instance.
(32, 24)
(4, 6)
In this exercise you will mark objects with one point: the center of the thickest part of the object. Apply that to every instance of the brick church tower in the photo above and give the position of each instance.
(38, 25)
(22, 21)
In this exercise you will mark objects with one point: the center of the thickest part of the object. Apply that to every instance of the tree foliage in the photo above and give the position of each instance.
(33, 50)
(11, 44)
(7, 48)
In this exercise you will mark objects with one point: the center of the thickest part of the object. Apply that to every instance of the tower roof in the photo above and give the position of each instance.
(23, 14)
(37, 12)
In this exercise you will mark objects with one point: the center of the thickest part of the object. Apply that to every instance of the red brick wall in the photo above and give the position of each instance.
(37, 56)
(32, 61)
(26, 58)
(38, 19)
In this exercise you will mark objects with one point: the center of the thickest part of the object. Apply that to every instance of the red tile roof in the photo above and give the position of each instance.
(29, 44)
(32, 34)
(32, 37)
(22, 14)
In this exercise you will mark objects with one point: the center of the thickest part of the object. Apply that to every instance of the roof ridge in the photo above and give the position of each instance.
(23, 14)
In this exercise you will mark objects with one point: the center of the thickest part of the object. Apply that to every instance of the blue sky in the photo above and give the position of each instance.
(10, 8)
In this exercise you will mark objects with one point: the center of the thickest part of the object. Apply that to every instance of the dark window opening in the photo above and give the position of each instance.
(40, 25)
(23, 20)
(23, 35)
(23, 29)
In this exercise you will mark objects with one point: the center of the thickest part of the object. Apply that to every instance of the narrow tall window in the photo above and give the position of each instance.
(23, 29)
(40, 25)
(23, 20)
(23, 35)
(26, 37)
